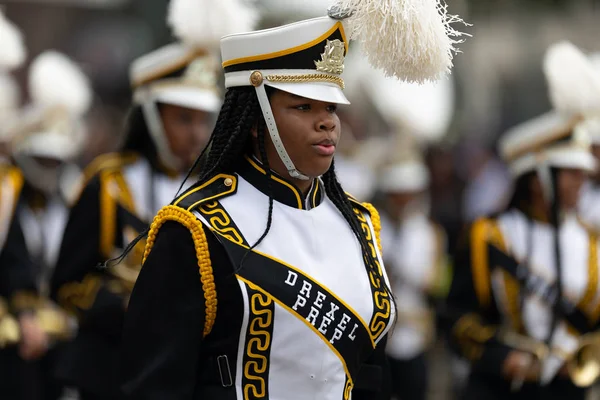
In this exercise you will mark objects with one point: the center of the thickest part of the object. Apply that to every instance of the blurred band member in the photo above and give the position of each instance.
(21, 337)
(414, 249)
(175, 98)
(47, 138)
(525, 289)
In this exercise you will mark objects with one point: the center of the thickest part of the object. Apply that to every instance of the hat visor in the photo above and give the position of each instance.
(51, 145)
(581, 160)
(189, 97)
(563, 158)
(321, 91)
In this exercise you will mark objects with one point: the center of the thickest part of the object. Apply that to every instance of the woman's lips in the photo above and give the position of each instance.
(325, 149)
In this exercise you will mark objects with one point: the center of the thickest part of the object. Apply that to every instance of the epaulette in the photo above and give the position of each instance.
(180, 211)
(105, 162)
(219, 186)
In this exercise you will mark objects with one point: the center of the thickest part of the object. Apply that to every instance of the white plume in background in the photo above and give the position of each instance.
(202, 23)
(10, 95)
(55, 80)
(412, 40)
(12, 49)
(573, 81)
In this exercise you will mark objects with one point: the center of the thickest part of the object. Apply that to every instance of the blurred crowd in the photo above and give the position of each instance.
(429, 157)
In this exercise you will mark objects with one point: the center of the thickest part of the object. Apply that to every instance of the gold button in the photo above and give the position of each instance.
(228, 182)
(256, 79)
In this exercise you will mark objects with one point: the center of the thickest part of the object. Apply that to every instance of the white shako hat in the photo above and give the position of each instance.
(53, 124)
(186, 73)
(592, 122)
(557, 139)
(404, 170)
(12, 56)
(411, 41)
(407, 176)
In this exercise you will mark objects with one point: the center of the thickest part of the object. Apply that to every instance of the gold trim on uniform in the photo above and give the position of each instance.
(381, 298)
(80, 295)
(232, 188)
(471, 334)
(220, 221)
(592, 282)
(189, 220)
(259, 340)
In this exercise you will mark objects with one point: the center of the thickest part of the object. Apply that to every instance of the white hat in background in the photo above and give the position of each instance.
(591, 124)
(52, 126)
(410, 176)
(12, 56)
(557, 139)
(411, 41)
(185, 73)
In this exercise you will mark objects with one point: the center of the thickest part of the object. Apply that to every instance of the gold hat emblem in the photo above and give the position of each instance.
(201, 72)
(332, 60)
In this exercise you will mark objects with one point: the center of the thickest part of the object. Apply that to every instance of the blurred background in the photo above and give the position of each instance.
(497, 83)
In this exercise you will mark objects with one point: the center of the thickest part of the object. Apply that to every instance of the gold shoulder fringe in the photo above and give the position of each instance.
(189, 220)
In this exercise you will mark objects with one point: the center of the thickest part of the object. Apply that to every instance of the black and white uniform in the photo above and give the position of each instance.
(17, 274)
(300, 318)
(121, 194)
(483, 297)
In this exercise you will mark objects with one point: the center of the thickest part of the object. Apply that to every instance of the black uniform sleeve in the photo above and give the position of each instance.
(165, 321)
(471, 327)
(17, 270)
(377, 374)
(77, 285)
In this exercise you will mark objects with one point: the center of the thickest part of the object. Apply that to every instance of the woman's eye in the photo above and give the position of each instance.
(332, 108)
(303, 107)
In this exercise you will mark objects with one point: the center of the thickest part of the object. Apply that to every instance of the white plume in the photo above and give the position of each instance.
(573, 81)
(12, 49)
(10, 95)
(55, 80)
(202, 23)
(412, 40)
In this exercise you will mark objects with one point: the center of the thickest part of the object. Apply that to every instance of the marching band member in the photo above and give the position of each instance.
(525, 288)
(589, 206)
(265, 279)
(414, 253)
(17, 280)
(175, 96)
(48, 136)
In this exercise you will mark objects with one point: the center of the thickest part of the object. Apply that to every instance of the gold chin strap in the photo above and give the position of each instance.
(257, 81)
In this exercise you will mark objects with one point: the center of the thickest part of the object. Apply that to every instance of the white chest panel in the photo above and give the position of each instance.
(533, 242)
(589, 205)
(412, 255)
(320, 244)
(43, 231)
(150, 190)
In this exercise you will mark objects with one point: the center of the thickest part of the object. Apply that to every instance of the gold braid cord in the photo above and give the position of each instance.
(376, 221)
(189, 220)
(307, 78)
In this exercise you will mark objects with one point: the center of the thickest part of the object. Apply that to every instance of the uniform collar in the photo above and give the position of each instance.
(282, 191)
